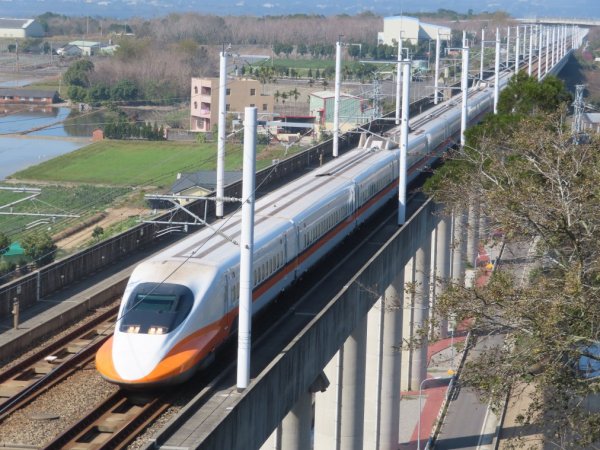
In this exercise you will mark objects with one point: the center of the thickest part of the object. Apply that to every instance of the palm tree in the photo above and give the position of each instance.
(276, 96)
(295, 93)
(284, 97)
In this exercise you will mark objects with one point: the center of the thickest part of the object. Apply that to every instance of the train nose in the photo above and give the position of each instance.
(104, 362)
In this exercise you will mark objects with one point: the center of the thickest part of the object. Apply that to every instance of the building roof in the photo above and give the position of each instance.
(206, 179)
(85, 43)
(15, 23)
(329, 94)
(593, 117)
(403, 18)
(39, 93)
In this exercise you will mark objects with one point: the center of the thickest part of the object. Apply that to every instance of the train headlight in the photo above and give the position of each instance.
(133, 329)
(156, 330)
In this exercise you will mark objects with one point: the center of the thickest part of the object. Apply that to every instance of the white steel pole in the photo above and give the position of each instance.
(465, 91)
(548, 46)
(557, 45)
(540, 45)
(221, 133)
(436, 82)
(482, 52)
(246, 250)
(559, 52)
(497, 73)
(530, 66)
(336, 106)
(403, 142)
(507, 47)
(524, 42)
(398, 79)
(517, 50)
(553, 48)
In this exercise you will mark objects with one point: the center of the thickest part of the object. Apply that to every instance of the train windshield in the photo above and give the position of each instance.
(160, 303)
(155, 308)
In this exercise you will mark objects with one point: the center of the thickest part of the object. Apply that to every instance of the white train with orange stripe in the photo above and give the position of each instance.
(181, 304)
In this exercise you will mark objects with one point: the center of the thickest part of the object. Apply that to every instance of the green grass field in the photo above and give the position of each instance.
(138, 163)
(304, 63)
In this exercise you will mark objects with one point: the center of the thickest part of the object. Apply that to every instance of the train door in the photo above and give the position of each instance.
(232, 290)
(295, 241)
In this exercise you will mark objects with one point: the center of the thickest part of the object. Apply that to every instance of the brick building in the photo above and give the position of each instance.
(28, 96)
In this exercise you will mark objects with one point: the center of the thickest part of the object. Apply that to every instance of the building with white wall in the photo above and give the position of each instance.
(412, 29)
(20, 28)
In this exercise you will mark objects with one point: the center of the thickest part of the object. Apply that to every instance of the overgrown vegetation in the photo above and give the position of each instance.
(540, 187)
(82, 199)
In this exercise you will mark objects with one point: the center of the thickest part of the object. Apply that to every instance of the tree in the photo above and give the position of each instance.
(295, 94)
(40, 248)
(98, 93)
(354, 51)
(537, 186)
(124, 90)
(4, 243)
(524, 95)
(77, 93)
(97, 233)
(78, 73)
(302, 49)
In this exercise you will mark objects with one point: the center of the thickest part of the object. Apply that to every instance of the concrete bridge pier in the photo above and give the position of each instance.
(295, 431)
(459, 251)
(459, 247)
(416, 311)
(382, 387)
(408, 312)
(473, 234)
(339, 411)
(443, 254)
(418, 370)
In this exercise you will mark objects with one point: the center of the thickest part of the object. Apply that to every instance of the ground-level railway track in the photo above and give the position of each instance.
(25, 381)
(114, 423)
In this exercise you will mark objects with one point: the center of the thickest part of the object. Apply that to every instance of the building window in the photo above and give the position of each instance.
(195, 89)
(252, 91)
(195, 105)
(264, 107)
(227, 107)
(252, 105)
(227, 91)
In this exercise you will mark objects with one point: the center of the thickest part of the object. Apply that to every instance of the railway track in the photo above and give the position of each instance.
(114, 423)
(27, 380)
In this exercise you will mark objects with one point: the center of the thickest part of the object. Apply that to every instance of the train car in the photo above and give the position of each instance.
(181, 304)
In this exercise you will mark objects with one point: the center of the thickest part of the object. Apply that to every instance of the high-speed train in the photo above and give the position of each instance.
(181, 304)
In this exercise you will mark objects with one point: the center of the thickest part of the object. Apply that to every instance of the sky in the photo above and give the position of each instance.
(153, 8)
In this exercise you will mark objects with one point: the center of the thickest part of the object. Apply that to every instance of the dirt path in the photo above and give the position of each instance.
(113, 215)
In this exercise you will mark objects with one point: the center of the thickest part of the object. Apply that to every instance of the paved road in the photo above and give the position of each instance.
(468, 423)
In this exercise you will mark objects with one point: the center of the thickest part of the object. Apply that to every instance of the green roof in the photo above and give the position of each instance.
(15, 249)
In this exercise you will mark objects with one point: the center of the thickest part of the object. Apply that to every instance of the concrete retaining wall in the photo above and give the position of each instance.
(64, 317)
(278, 388)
